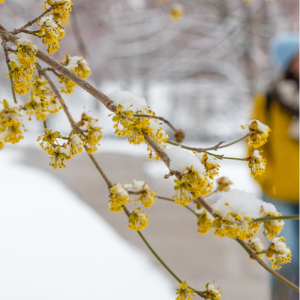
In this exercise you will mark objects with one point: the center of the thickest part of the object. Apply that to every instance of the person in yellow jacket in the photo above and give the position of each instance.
(279, 109)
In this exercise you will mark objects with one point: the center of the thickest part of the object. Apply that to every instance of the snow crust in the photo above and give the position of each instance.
(242, 203)
(129, 101)
(280, 246)
(181, 159)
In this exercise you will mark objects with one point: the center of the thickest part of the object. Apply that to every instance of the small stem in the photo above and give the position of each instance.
(45, 124)
(295, 217)
(215, 148)
(171, 200)
(254, 255)
(22, 29)
(153, 252)
(10, 71)
(156, 117)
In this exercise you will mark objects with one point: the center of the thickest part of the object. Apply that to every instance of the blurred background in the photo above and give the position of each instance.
(200, 72)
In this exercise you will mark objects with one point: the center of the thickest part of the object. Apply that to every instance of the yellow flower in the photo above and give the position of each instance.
(182, 191)
(210, 164)
(258, 134)
(273, 228)
(137, 220)
(35, 105)
(51, 31)
(212, 292)
(257, 164)
(176, 12)
(205, 222)
(257, 245)
(278, 252)
(61, 8)
(40, 88)
(11, 123)
(48, 139)
(58, 155)
(75, 143)
(67, 86)
(223, 184)
(146, 195)
(118, 198)
(77, 65)
(53, 104)
(184, 292)
(91, 132)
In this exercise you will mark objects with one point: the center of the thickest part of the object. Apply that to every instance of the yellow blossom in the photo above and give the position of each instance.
(60, 8)
(258, 134)
(35, 105)
(212, 292)
(118, 198)
(223, 184)
(184, 292)
(51, 31)
(75, 143)
(137, 220)
(182, 194)
(77, 65)
(48, 139)
(257, 163)
(210, 164)
(205, 222)
(11, 123)
(278, 252)
(58, 155)
(67, 86)
(176, 12)
(257, 245)
(54, 105)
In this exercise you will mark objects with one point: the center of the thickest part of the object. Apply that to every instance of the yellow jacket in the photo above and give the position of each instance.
(281, 178)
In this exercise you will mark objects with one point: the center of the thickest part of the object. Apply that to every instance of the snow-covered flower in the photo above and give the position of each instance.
(119, 197)
(145, 194)
(77, 65)
(60, 8)
(210, 163)
(212, 292)
(76, 144)
(257, 245)
(223, 184)
(91, 132)
(278, 252)
(51, 31)
(137, 220)
(194, 178)
(259, 133)
(48, 139)
(127, 105)
(53, 104)
(257, 163)
(184, 292)
(205, 221)
(35, 105)
(176, 11)
(11, 122)
(236, 211)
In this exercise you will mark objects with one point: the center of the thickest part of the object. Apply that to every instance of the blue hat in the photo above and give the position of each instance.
(283, 48)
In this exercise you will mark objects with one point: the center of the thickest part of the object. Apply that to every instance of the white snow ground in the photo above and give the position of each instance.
(53, 246)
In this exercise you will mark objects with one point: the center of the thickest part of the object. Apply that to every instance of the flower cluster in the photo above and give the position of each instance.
(126, 124)
(258, 134)
(236, 212)
(60, 148)
(51, 31)
(205, 221)
(77, 65)
(137, 220)
(212, 292)
(60, 8)
(23, 64)
(91, 132)
(257, 163)
(194, 179)
(119, 197)
(184, 292)
(278, 252)
(210, 164)
(10, 124)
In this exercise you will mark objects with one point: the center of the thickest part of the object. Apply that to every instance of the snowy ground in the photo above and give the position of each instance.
(53, 246)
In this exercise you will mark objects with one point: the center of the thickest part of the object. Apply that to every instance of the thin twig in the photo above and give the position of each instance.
(73, 124)
(22, 29)
(254, 255)
(9, 70)
(159, 118)
(267, 219)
